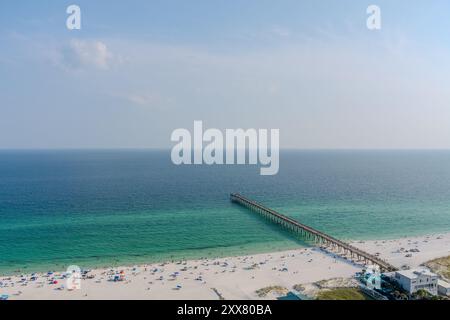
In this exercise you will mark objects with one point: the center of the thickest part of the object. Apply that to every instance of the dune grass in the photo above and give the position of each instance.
(342, 294)
(272, 289)
(440, 266)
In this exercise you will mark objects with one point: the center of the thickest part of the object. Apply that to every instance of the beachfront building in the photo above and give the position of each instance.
(420, 279)
(443, 288)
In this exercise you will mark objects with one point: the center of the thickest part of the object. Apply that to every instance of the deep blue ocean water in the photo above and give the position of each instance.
(101, 208)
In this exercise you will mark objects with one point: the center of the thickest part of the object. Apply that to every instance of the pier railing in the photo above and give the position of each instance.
(312, 234)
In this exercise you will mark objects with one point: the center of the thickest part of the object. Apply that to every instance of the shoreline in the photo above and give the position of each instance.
(233, 277)
(143, 260)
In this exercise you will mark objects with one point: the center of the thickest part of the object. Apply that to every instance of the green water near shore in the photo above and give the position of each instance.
(109, 208)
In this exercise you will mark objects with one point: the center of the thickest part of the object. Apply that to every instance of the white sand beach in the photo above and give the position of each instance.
(409, 252)
(228, 278)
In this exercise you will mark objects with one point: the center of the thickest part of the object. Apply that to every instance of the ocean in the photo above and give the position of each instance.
(97, 208)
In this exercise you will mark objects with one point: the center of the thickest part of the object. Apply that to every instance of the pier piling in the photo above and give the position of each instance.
(311, 233)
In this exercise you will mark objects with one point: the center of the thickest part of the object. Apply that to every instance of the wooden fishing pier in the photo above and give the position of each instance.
(312, 234)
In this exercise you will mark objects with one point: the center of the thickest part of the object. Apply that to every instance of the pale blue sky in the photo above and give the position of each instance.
(140, 69)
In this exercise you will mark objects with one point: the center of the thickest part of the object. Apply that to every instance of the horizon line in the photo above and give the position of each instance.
(169, 149)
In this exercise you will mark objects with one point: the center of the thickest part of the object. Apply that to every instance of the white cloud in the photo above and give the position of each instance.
(152, 100)
(140, 100)
(281, 31)
(80, 54)
(323, 91)
(144, 100)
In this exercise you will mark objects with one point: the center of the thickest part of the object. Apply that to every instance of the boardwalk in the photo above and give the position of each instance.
(312, 234)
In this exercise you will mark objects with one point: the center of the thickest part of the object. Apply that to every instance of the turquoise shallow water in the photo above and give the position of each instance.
(98, 208)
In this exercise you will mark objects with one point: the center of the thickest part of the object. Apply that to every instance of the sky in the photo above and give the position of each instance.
(139, 69)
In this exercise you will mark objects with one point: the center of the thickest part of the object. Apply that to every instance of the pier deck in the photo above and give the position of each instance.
(311, 233)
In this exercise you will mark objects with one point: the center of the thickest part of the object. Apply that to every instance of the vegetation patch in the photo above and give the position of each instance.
(342, 294)
(278, 290)
(441, 266)
(337, 283)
